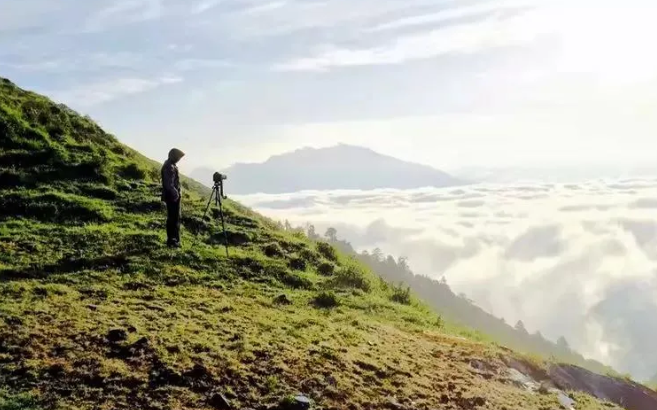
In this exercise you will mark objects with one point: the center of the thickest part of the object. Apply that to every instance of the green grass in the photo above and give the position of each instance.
(96, 313)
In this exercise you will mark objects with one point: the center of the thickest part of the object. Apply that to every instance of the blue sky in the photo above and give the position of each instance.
(450, 83)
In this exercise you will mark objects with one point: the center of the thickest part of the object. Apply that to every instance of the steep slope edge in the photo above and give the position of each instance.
(96, 313)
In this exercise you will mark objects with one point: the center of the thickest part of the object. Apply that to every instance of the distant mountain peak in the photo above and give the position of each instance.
(341, 166)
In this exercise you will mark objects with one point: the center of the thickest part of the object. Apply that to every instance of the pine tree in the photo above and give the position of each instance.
(331, 234)
(520, 327)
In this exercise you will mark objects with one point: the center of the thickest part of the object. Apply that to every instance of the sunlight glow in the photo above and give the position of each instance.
(611, 41)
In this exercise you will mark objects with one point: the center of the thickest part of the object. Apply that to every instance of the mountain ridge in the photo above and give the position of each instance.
(341, 166)
(96, 312)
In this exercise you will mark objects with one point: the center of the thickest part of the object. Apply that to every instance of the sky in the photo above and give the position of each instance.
(577, 260)
(448, 83)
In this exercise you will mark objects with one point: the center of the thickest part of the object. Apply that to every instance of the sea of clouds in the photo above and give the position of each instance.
(578, 260)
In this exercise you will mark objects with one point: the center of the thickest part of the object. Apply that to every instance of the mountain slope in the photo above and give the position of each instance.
(96, 313)
(338, 167)
(459, 309)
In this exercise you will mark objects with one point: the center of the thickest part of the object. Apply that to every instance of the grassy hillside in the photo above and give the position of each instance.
(95, 313)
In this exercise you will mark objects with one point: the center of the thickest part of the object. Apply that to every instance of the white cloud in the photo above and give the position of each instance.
(335, 18)
(485, 33)
(43, 65)
(452, 14)
(24, 14)
(192, 64)
(591, 47)
(264, 7)
(205, 5)
(96, 93)
(575, 262)
(91, 61)
(124, 12)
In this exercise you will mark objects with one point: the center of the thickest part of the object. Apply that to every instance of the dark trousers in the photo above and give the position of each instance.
(173, 222)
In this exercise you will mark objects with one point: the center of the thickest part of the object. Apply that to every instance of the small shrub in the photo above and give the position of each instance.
(352, 276)
(311, 256)
(58, 156)
(95, 168)
(85, 148)
(56, 131)
(273, 250)
(121, 150)
(401, 295)
(142, 205)
(195, 224)
(282, 300)
(294, 280)
(290, 246)
(132, 171)
(99, 191)
(326, 300)
(297, 264)
(271, 383)
(326, 269)
(327, 250)
(235, 238)
(26, 158)
(299, 234)
(154, 175)
(252, 266)
(123, 186)
(10, 179)
(413, 319)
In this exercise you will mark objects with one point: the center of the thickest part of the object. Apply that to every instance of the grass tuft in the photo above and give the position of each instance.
(326, 299)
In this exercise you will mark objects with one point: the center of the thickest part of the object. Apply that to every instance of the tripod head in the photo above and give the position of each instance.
(218, 177)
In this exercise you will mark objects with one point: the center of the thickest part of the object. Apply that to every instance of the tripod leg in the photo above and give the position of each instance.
(223, 225)
(209, 202)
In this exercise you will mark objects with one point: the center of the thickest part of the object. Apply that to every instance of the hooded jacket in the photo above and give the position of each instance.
(171, 191)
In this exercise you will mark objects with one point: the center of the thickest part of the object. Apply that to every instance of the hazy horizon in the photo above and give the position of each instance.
(478, 174)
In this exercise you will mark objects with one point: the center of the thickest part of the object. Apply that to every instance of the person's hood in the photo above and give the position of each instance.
(175, 155)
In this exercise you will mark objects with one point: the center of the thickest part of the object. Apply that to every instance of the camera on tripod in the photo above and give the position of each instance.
(218, 195)
(218, 177)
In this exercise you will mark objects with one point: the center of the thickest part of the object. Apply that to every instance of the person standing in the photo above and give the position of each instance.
(172, 195)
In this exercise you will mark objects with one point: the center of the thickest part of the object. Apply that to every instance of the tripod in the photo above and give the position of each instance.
(218, 194)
